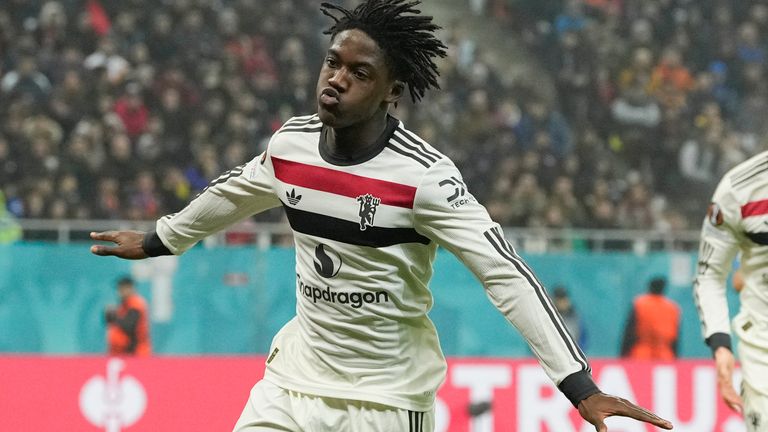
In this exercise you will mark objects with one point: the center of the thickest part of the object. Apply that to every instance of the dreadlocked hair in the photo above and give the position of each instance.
(406, 38)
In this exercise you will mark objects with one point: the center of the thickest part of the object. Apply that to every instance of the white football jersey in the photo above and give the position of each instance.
(366, 233)
(737, 221)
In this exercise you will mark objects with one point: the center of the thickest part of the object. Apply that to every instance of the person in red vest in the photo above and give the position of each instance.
(128, 322)
(653, 327)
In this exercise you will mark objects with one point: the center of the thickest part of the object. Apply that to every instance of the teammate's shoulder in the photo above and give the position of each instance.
(406, 144)
(302, 124)
(746, 172)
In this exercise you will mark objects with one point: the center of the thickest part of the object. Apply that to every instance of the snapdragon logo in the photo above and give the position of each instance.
(327, 261)
(356, 299)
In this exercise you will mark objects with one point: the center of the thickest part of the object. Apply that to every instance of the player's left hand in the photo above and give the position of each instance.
(128, 244)
(596, 408)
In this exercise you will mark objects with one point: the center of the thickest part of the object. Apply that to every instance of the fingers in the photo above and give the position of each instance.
(104, 235)
(127, 244)
(639, 413)
(735, 406)
(733, 400)
(102, 250)
(730, 395)
(597, 407)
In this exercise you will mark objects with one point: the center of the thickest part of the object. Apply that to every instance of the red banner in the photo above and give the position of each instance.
(207, 394)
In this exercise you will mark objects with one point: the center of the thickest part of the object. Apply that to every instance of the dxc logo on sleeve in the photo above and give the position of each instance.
(460, 196)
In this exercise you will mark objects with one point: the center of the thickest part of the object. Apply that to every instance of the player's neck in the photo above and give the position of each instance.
(353, 141)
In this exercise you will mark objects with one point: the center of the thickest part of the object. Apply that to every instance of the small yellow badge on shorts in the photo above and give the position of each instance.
(272, 356)
(747, 326)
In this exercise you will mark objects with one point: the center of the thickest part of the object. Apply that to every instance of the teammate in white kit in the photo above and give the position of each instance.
(369, 202)
(737, 221)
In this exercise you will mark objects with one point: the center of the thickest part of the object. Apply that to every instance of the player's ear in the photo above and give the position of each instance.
(396, 90)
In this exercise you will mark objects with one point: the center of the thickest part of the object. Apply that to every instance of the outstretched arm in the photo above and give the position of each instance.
(236, 194)
(447, 213)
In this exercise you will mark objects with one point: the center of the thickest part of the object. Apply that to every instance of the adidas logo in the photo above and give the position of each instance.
(293, 199)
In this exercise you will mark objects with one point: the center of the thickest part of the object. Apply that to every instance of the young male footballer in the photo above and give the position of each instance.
(736, 223)
(369, 202)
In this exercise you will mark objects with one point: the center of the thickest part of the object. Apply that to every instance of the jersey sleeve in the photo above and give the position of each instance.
(719, 244)
(447, 214)
(238, 193)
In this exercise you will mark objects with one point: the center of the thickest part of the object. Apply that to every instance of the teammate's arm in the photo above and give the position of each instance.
(717, 250)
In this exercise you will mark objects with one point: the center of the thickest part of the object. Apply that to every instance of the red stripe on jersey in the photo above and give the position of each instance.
(754, 208)
(341, 183)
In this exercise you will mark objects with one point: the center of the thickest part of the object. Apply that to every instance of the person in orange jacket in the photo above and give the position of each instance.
(128, 322)
(653, 327)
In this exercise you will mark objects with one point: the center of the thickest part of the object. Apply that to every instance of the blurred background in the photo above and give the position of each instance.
(594, 131)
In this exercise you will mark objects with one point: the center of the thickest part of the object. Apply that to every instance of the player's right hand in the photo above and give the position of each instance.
(128, 244)
(724, 363)
(596, 408)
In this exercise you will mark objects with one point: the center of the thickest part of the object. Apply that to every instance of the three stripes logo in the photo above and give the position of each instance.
(293, 199)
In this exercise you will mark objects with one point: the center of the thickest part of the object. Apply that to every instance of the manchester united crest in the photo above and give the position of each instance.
(368, 205)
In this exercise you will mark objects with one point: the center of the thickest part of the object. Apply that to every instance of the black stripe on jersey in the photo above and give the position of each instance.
(760, 238)
(749, 172)
(409, 145)
(305, 120)
(307, 129)
(419, 142)
(234, 172)
(397, 149)
(349, 232)
(506, 250)
(408, 149)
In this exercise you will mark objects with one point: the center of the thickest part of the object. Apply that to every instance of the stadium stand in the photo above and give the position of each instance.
(125, 109)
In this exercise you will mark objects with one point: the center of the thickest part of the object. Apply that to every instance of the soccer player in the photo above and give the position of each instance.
(369, 202)
(737, 221)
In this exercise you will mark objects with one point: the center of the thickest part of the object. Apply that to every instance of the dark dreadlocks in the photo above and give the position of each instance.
(408, 41)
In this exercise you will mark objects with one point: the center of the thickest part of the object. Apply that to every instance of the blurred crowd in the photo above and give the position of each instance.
(652, 102)
(125, 109)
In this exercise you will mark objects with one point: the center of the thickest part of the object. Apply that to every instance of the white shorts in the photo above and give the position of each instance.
(754, 369)
(271, 408)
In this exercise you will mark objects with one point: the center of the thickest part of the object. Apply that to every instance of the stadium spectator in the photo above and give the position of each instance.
(652, 330)
(128, 322)
(132, 111)
(10, 231)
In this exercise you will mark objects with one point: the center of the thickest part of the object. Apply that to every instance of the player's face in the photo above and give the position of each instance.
(354, 82)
